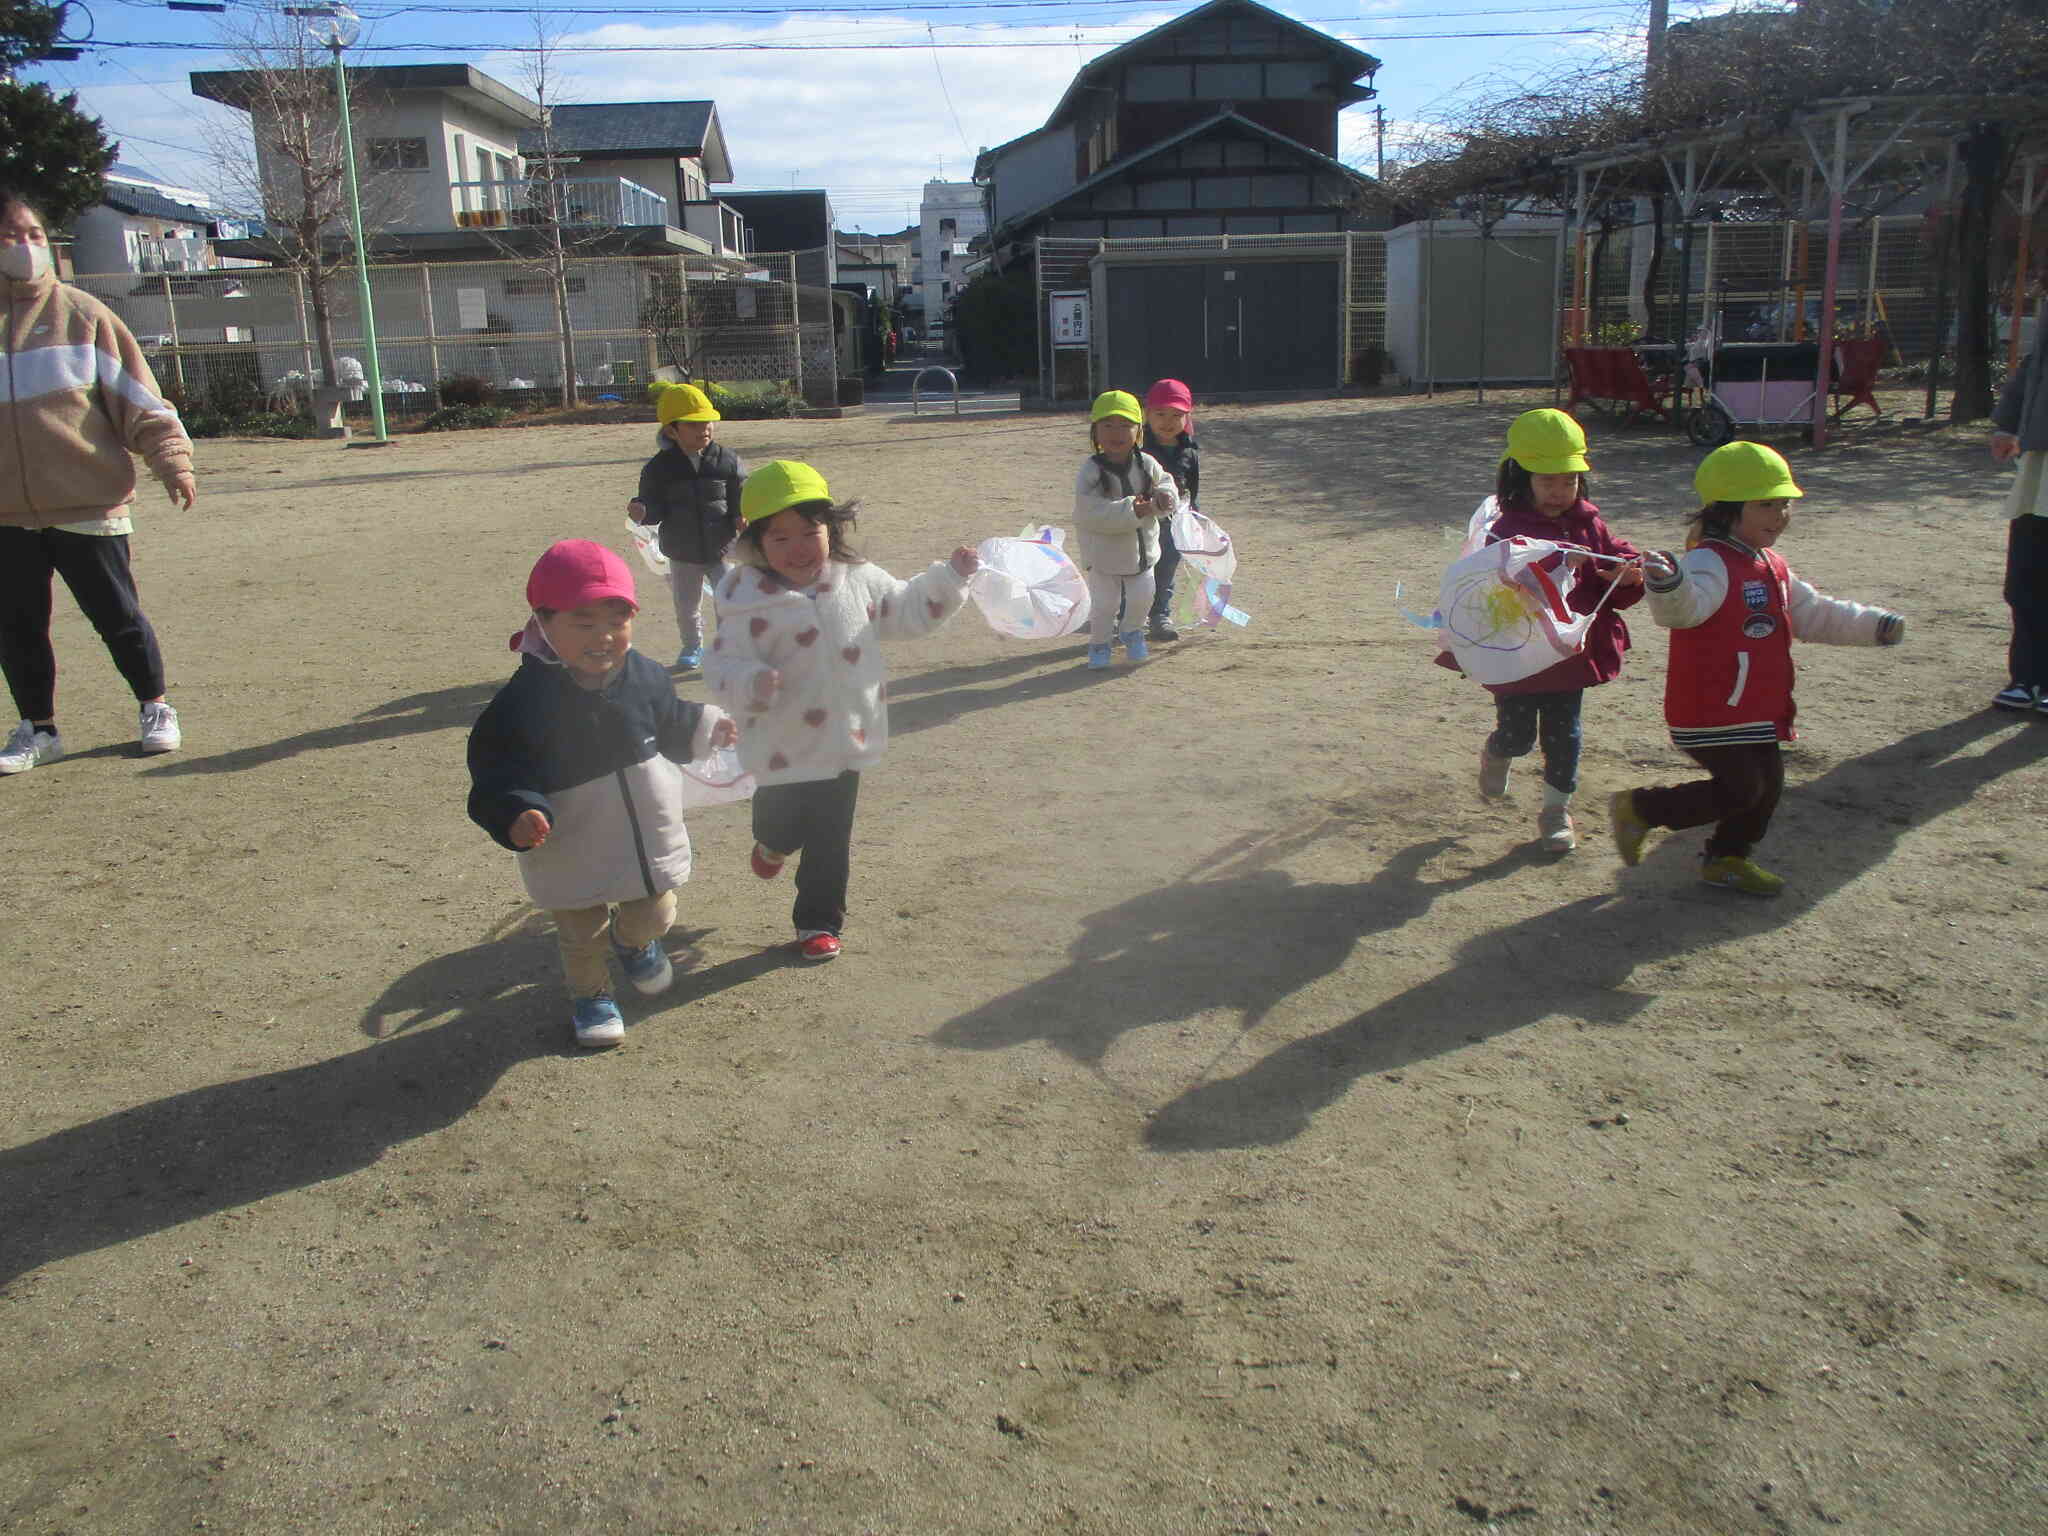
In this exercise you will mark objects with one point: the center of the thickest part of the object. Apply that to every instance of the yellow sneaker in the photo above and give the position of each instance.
(1741, 875)
(1629, 828)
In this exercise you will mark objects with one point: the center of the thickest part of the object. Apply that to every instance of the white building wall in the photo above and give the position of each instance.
(959, 201)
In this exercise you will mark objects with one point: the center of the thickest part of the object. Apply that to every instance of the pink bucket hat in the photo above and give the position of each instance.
(577, 572)
(1173, 394)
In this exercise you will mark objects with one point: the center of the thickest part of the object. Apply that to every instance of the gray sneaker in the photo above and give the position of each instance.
(160, 728)
(29, 746)
(1493, 774)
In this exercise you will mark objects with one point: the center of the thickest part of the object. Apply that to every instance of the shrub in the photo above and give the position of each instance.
(467, 389)
(209, 421)
(753, 405)
(459, 418)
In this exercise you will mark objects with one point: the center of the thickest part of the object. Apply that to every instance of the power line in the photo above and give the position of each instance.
(602, 48)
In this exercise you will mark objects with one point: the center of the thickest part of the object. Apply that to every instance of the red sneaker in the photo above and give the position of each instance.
(819, 946)
(765, 865)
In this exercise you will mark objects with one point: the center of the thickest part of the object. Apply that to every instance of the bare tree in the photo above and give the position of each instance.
(1751, 70)
(556, 230)
(297, 178)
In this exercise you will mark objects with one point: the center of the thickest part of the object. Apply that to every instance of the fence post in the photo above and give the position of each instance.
(177, 345)
(433, 331)
(305, 336)
(796, 324)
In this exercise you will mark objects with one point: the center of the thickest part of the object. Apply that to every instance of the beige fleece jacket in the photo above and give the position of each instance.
(76, 398)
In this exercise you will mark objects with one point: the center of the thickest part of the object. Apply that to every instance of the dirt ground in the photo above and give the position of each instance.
(1221, 1120)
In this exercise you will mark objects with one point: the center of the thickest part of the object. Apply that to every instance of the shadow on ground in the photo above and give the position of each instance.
(446, 1033)
(1249, 936)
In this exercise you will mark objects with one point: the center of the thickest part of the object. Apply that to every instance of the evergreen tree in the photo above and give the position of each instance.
(54, 154)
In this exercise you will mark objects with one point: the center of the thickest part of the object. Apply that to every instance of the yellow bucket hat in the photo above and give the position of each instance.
(1547, 442)
(1744, 472)
(681, 402)
(778, 484)
(1116, 402)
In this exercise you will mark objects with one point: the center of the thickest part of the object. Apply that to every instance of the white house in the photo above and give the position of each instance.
(949, 217)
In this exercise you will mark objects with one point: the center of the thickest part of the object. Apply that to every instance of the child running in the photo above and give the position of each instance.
(691, 491)
(1170, 439)
(798, 656)
(1540, 493)
(1734, 607)
(573, 767)
(1120, 497)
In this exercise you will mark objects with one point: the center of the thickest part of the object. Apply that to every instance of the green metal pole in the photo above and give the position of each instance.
(355, 208)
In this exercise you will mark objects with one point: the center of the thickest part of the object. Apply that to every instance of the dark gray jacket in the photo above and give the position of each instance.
(2023, 404)
(696, 506)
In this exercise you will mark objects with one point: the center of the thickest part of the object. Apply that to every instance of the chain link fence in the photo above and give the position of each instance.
(235, 339)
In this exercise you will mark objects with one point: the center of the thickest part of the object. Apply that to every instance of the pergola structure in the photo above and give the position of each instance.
(1843, 140)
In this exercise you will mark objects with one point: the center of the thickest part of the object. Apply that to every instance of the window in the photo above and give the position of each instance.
(398, 154)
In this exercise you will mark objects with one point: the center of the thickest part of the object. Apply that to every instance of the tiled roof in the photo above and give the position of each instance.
(601, 128)
(154, 205)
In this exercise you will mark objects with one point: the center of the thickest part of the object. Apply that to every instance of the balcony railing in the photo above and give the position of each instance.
(171, 255)
(597, 202)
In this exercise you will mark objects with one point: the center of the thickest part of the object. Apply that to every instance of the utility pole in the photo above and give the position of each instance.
(1653, 62)
(1379, 114)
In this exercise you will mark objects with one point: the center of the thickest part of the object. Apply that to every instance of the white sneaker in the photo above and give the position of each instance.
(29, 746)
(160, 728)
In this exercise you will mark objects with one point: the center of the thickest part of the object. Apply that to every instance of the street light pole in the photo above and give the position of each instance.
(336, 27)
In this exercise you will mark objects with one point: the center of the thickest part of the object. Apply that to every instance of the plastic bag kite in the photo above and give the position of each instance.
(1029, 588)
(715, 780)
(1504, 616)
(1203, 545)
(647, 542)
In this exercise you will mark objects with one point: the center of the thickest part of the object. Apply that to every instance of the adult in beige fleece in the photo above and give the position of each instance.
(77, 401)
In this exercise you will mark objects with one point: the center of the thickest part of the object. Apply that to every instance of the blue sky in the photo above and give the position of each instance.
(869, 122)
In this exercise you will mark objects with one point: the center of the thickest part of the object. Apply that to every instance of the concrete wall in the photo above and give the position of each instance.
(1033, 173)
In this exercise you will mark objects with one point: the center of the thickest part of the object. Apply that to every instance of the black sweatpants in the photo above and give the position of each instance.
(95, 568)
(814, 818)
(2026, 593)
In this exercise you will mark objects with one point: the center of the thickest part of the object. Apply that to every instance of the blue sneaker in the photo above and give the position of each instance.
(646, 967)
(690, 658)
(598, 1023)
(1098, 658)
(1135, 646)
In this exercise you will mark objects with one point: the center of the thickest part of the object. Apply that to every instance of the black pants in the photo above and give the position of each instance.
(814, 818)
(2026, 592)
(1738, 799)
(1519, 718)
(95, 568)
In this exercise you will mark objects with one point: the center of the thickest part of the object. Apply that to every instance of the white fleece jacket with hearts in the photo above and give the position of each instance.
(826, 641)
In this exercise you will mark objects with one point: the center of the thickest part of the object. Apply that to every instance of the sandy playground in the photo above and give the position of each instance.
(1220, 1121)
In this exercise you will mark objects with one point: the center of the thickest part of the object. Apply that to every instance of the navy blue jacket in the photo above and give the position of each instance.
(600, 764)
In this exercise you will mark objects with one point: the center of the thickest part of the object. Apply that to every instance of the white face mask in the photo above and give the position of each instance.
(24, 263)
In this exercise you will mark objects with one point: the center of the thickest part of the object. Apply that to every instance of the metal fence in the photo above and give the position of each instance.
(230, 339)
(1763, 282)
(1067, 371)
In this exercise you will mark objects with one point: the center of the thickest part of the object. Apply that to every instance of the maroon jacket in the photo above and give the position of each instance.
(1580, 527)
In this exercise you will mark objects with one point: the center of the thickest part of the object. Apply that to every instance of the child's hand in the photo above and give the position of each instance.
(726, 733)
(529, 830)
(2004, 446)
(183, 489)
(1659, 566)
(1630, 575)
(965, 562)
(1142, 508)
(767, 686)
(636, 509)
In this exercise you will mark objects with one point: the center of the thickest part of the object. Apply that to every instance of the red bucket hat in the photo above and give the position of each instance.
(577, 572)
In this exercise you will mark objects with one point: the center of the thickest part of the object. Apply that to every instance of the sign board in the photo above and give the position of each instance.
(1069, 318)
(470, 310)
(743, 303)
